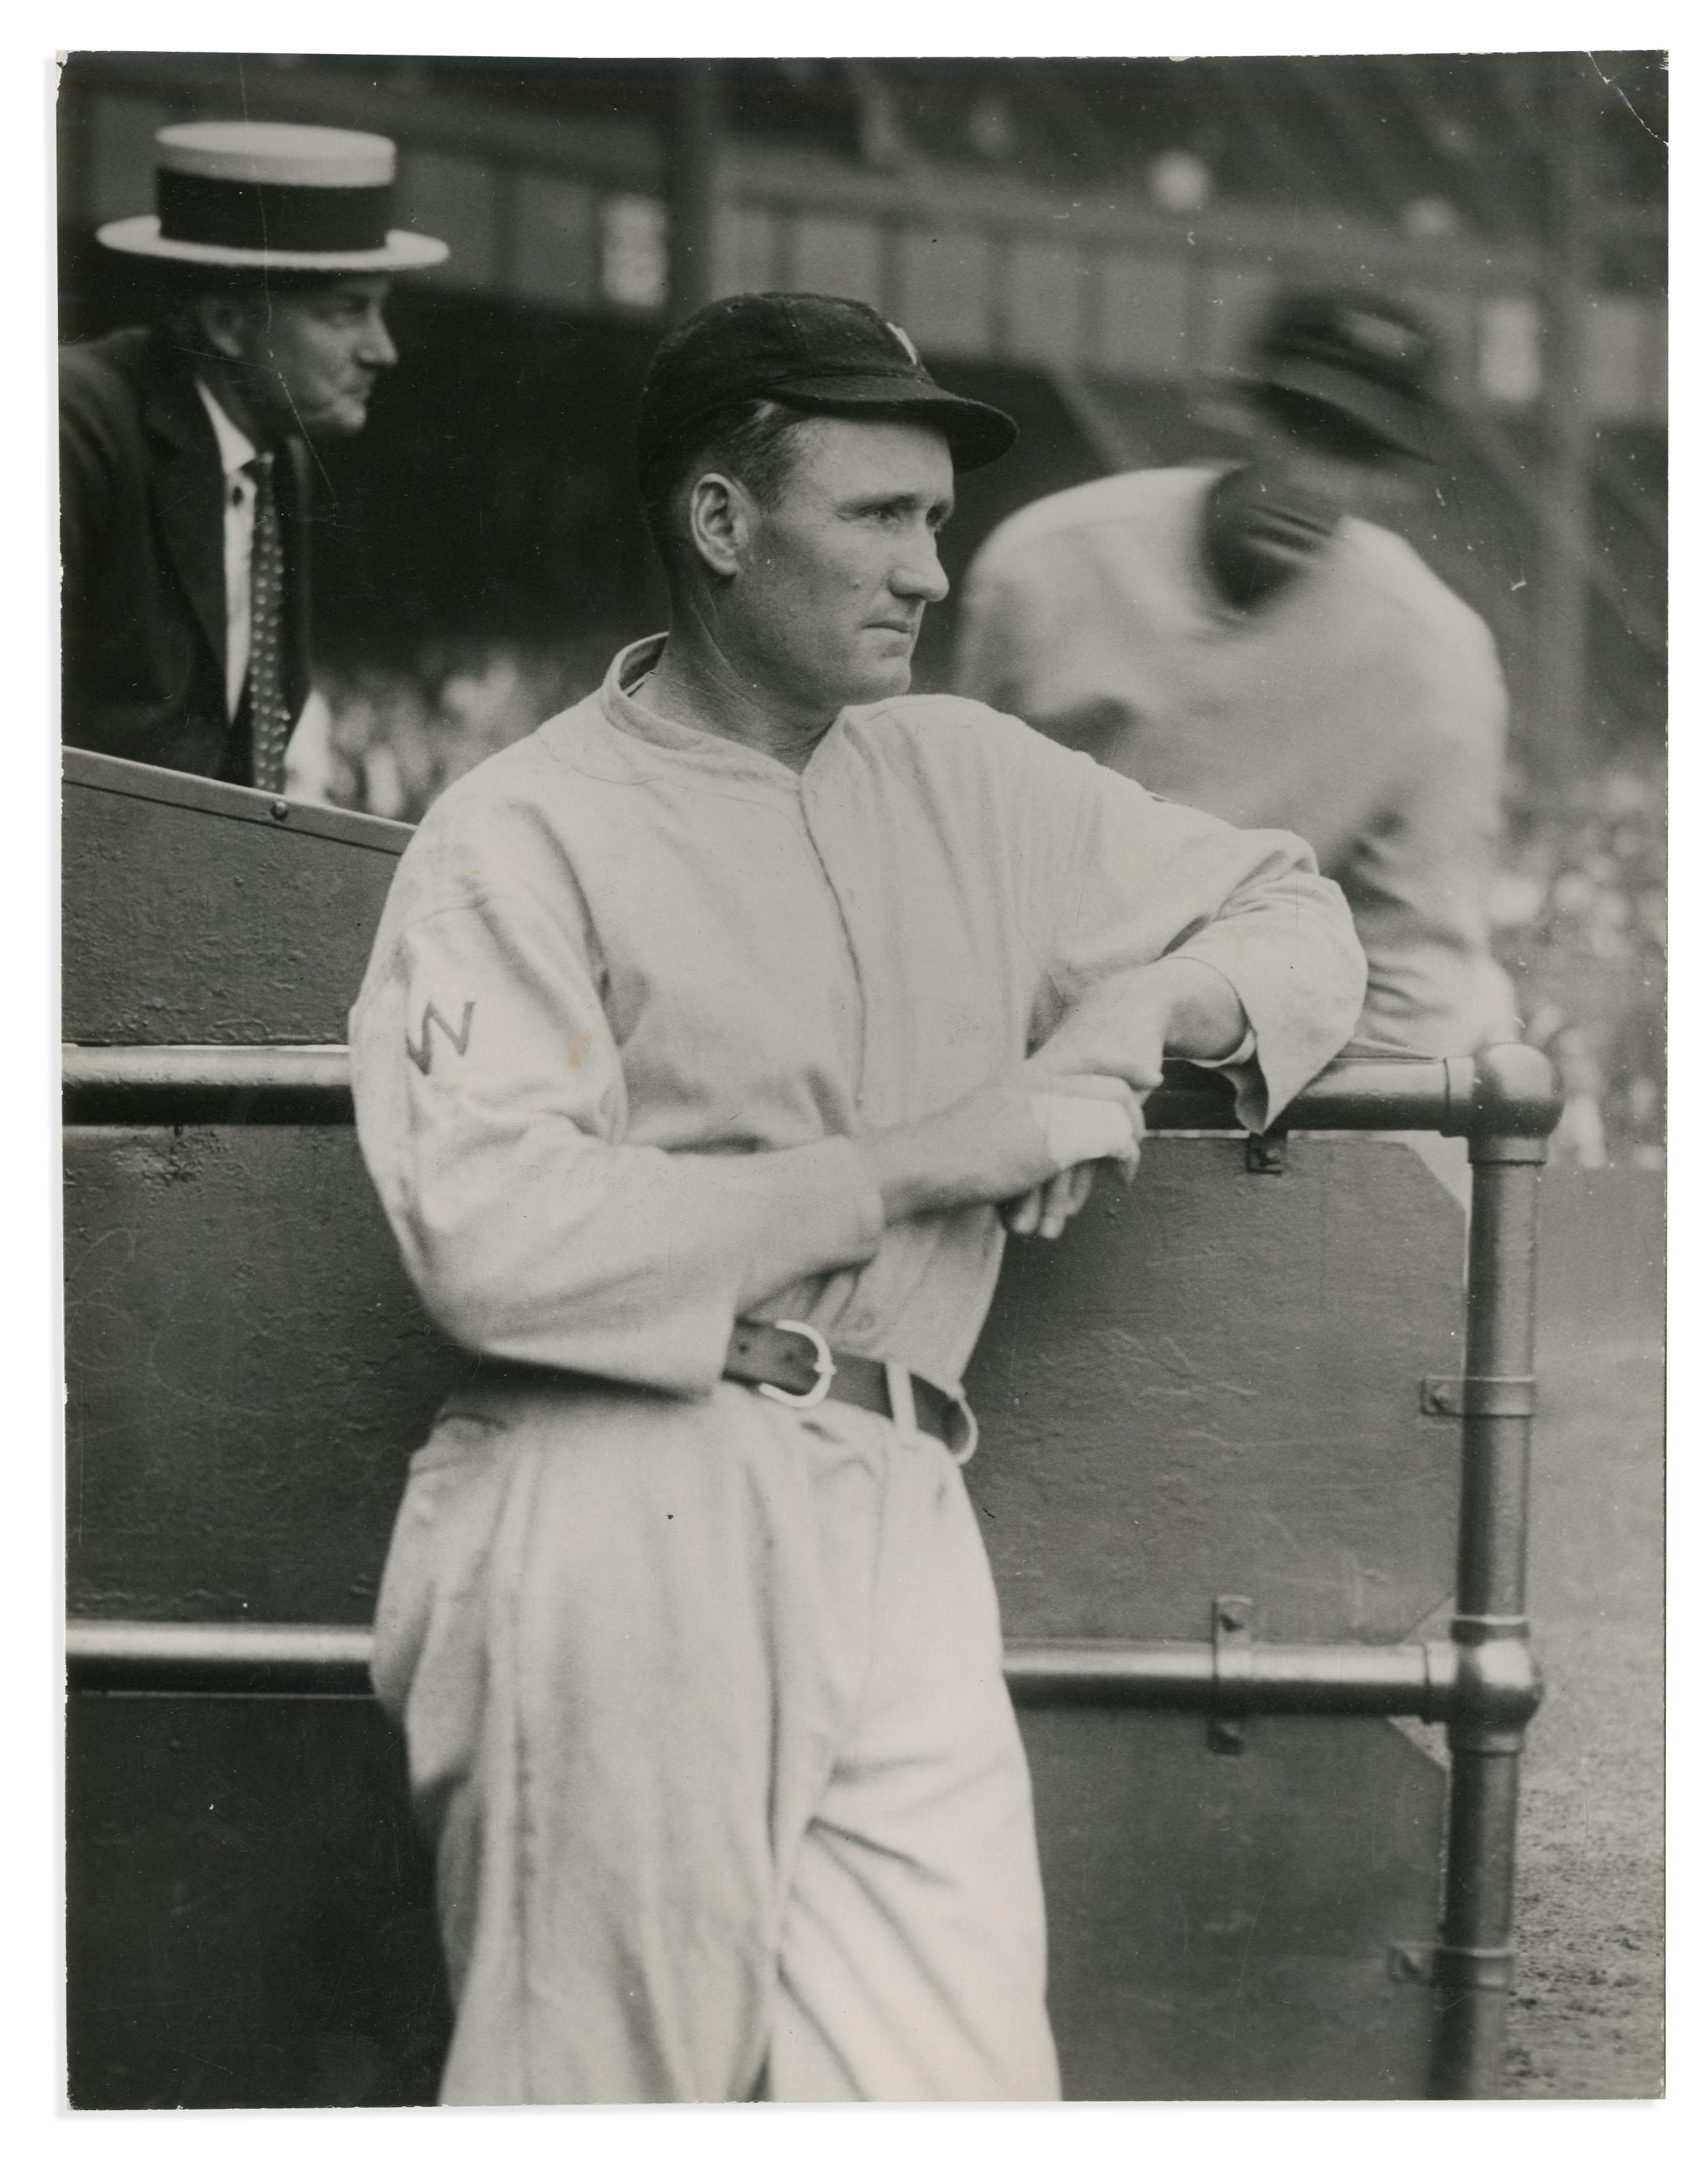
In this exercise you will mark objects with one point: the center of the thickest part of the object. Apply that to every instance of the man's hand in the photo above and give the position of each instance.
(1133, 1050)
(1033, 1129)
(1046, 1211)
(1179, 1007)
(1124, 1028)
(1013, 1142)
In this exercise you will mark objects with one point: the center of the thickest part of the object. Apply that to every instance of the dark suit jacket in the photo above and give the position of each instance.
(142, 542)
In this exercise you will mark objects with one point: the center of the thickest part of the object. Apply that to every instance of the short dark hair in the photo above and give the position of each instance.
(754, 443)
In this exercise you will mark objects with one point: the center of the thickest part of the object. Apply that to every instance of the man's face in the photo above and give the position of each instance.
(307, 359)
(837, 572)
(1288, 501)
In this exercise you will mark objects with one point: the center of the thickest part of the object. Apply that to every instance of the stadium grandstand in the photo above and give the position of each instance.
(1086, 242)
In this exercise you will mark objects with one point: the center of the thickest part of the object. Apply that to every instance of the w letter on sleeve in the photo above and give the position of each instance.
(422, 1054)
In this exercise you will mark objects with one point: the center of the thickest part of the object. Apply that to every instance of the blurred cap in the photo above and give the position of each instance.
(274, 196)
(1365, 357)
(807, 350)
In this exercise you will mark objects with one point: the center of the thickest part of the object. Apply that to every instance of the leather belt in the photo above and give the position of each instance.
(792, 1363)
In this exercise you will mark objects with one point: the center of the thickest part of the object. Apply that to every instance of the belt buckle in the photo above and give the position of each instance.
(824, 1371)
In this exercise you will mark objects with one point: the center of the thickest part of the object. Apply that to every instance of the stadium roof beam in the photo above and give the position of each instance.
(1073, 116)
(1353, 124)
(1496, 209)
(1356, 124)
(1277, 146)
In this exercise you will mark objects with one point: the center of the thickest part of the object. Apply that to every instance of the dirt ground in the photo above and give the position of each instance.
(1587, 2018)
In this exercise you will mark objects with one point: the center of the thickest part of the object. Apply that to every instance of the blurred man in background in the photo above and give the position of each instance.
(184, 446)
(1243, 640)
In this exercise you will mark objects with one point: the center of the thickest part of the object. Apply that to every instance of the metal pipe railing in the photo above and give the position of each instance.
(323, 1661)
(1474, 1960)
(310, 1084)
(1433, 1680)
(1265, 1677)
(171, 1085)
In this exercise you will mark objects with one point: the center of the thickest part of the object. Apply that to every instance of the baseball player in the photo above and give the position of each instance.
(1241, 639)
(706, 1033)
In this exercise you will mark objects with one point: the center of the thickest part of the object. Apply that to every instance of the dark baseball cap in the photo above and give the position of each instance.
(809, 351)
(1366, 357)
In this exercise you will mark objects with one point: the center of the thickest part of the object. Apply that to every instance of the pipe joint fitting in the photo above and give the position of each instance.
(1497, 1686)
(1508, 1095)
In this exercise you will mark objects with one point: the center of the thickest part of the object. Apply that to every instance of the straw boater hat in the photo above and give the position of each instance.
(275, 196)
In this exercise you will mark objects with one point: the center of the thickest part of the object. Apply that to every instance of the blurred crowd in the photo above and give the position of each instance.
(1581, 923)
(386, 740)
(1579, 906)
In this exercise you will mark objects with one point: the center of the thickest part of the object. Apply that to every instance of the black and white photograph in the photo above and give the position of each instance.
(863, 921)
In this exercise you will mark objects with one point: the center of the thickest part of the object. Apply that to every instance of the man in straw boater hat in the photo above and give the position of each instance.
(711, 1035)
(182, 460)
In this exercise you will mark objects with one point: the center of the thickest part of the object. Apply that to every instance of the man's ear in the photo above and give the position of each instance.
(224, 319)
(720, 520)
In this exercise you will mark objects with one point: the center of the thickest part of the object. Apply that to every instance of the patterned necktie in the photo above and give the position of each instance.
(269, 714)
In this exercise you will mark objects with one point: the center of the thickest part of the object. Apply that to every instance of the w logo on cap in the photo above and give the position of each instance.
(904, 342)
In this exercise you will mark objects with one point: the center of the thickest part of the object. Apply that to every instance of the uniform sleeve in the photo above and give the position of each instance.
(491, 1108)
(1423, 874)
(1149, 879)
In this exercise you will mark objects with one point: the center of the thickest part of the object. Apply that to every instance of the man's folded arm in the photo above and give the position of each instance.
(1160, 884)
(491, 1109)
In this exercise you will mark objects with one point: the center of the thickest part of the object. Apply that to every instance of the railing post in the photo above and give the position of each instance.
(1512, 1108)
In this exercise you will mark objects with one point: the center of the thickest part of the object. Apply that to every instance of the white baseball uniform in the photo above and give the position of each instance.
(1362, 707)
(704, 1694)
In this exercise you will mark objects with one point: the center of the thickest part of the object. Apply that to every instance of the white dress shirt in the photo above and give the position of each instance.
(235, 454)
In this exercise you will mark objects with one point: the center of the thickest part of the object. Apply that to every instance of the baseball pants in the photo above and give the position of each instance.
(706, 1723)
